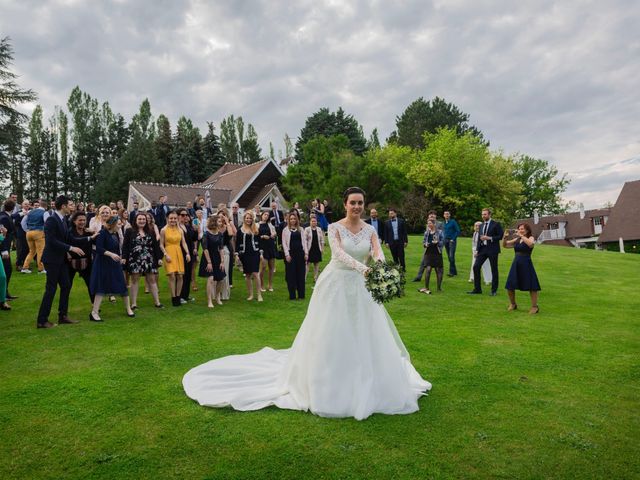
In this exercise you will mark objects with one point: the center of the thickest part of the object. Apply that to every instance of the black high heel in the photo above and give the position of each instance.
(94, 319)
(131, 315)
(5, 306)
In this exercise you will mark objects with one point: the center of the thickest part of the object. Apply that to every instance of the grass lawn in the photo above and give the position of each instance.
(555, 395)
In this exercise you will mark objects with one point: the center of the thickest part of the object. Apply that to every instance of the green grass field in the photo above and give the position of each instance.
(554, 395)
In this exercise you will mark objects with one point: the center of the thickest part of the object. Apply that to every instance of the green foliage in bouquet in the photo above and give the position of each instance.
(385, 280)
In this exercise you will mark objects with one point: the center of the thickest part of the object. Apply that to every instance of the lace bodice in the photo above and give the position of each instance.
(353, 250)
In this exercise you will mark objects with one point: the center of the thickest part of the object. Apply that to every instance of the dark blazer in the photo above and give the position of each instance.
(381, 228)
(7, 222)
(402, 231)
(272, 218)
(159, 216)
(495, 231)
(132, 217)
(56, 237)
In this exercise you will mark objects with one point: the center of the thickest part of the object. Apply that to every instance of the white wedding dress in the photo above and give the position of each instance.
(347, 359)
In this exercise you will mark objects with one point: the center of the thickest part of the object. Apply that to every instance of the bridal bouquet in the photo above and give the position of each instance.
(385, 281)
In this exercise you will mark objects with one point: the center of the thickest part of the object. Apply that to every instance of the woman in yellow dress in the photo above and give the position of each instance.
(172, 244)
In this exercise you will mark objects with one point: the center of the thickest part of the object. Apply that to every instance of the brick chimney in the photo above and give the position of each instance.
(581, 211)
(536, 217)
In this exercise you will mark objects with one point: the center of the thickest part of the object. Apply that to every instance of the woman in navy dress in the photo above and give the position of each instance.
(317, 208)
(248, 251)
(267, 233)
(522, 275)
(107, 276)
(211, 266)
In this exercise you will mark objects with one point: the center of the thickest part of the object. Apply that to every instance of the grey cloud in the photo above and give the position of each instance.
(552, 79)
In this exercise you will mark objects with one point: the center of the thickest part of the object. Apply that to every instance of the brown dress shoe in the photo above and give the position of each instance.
(46, 325)
(65, 319)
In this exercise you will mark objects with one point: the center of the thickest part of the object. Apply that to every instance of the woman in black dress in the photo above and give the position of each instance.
(141, 255)
(191, 237)
(211, 266)
(107, 277)
(314, 237)
(522, 275)
(295, 256)
(81, 264)
(432, 242)
(249, 254)
(267, 233)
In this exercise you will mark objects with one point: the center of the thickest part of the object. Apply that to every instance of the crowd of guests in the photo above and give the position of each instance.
(111, 249)
(485, 246)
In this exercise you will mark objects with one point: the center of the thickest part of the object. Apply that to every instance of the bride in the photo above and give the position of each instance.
(347, 359)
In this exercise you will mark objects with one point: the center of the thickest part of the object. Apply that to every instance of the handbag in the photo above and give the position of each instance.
(79, 264)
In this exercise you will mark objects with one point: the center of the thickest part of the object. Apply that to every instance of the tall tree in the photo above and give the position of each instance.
(251, 151)
(138, 162)
(66, 173)
(288, 146)
(86, 140)
(12, 129)
(181, 157)
(327, 124)
(542, 187)
(374, 141)
(212, 156)
(229, 140)
(164, 146)
(423, 116)
(35, 153)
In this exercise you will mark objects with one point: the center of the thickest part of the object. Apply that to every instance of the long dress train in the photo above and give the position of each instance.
(347, 359)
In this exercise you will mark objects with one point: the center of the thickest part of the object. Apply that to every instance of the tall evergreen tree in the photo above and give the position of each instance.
(12, 121)
(181, 161)
(164, 146)
(328, 124)
(212, 156)
(423, 116)
(251, 150)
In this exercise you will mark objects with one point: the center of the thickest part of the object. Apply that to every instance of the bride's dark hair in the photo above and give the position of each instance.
(352, 190)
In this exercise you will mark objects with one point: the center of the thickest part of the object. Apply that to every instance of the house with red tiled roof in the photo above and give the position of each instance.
(573, 229)
(616, 228)
(247, 184)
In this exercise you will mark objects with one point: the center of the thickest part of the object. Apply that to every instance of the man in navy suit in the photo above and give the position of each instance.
(376, 223)
(57, 239)
(395, 236)
(159, 214)
(488, 249)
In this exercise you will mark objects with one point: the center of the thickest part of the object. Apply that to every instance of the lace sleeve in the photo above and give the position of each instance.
(338, 252)
(376, 250)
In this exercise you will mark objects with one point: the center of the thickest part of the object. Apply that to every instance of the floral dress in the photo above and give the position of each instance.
(142, 258)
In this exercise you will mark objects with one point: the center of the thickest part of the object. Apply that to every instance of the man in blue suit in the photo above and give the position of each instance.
(488, 249)
(54, 257)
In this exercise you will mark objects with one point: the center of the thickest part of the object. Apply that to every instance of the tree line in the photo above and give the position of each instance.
(434, 159)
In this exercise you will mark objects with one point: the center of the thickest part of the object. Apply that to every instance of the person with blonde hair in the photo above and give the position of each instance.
(249, 254)
(172, 244)
(267, 234)
(296, 255)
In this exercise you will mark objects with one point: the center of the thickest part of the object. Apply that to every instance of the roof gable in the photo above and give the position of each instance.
(624, 220)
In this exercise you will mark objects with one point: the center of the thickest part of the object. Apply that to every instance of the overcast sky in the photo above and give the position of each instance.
(557, 80)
